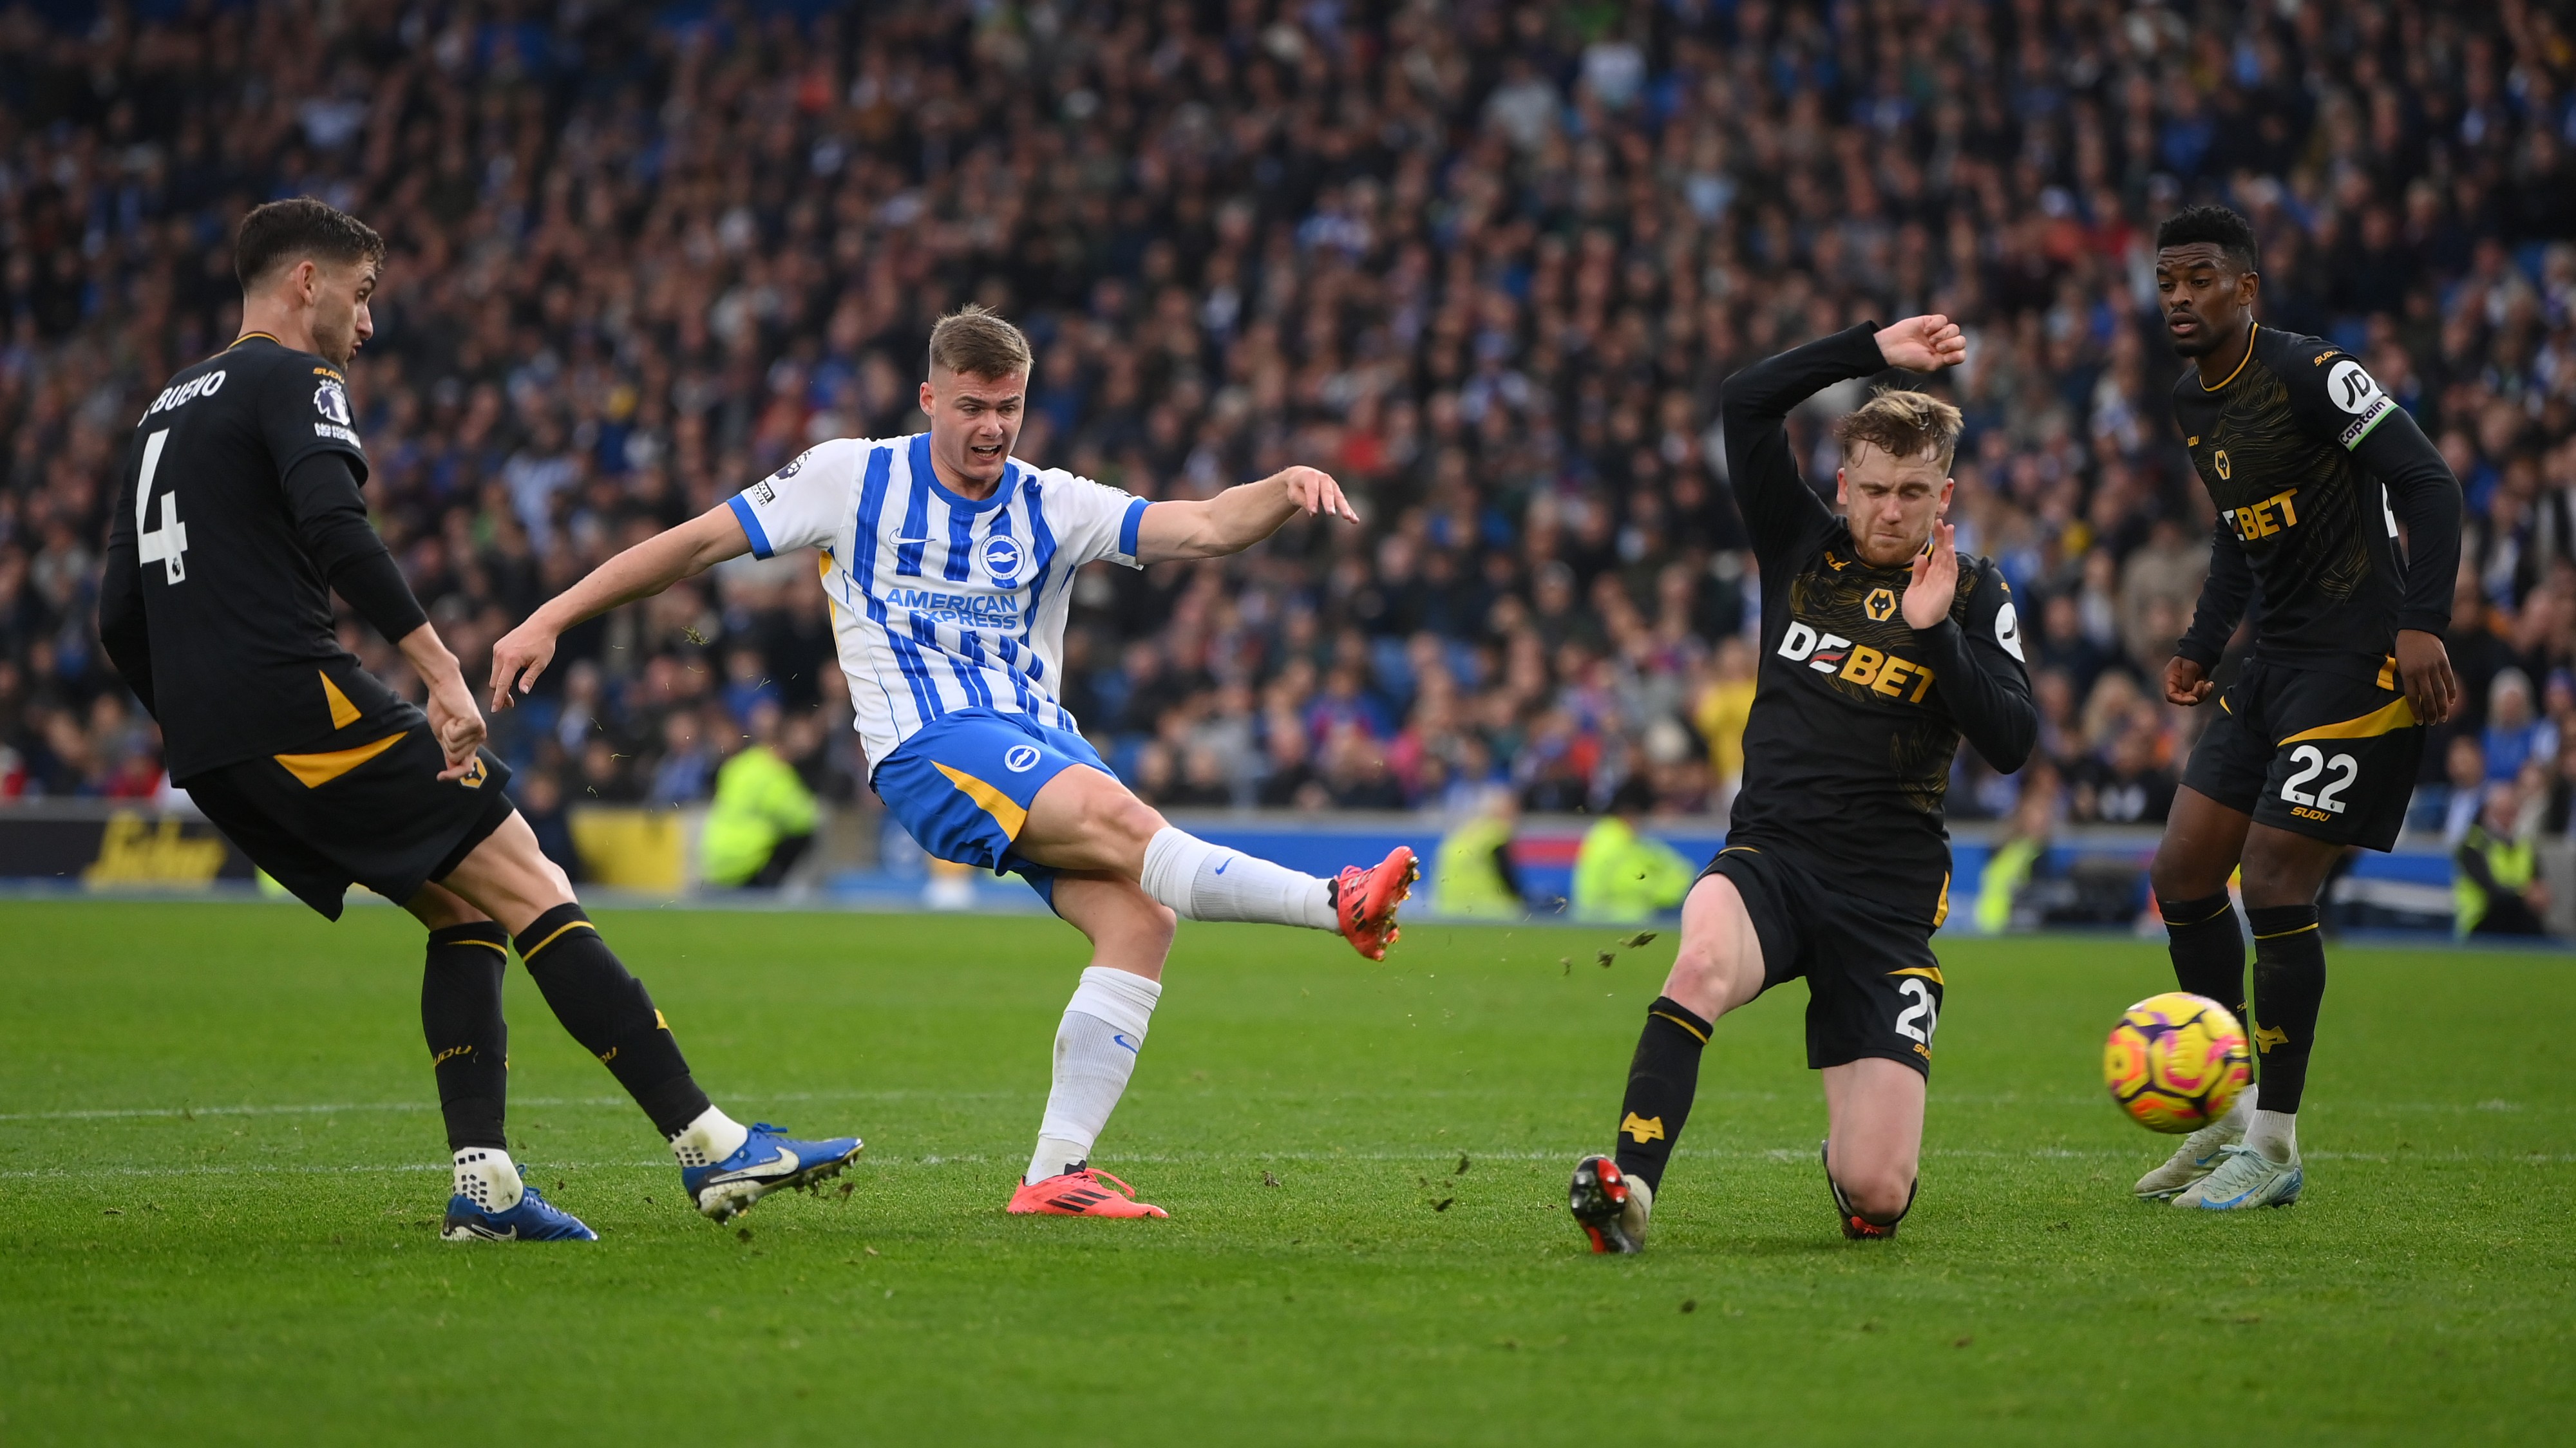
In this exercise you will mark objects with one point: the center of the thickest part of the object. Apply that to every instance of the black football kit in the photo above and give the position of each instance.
(237, 513)
(1837, 843)
(2313, 468)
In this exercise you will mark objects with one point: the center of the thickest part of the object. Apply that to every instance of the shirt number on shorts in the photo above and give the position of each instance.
(166, 545)
(1922, 1010)
(2312, 762)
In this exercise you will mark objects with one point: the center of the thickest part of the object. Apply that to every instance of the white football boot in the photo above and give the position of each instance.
(2245, 1179)
(2198, 1155)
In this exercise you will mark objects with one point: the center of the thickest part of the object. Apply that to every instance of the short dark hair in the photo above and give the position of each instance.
(285, 231)
(2219, 226)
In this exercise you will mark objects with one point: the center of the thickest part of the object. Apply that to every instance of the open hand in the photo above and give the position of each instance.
(1314, 491)
(1923, 344)
(517, 660)
(1935, 583)
(2186, 682)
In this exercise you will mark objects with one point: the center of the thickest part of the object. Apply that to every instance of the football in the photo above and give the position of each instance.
(2176, 1062)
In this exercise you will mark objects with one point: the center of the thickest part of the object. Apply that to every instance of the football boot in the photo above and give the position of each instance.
(1610, 1206)
(1364, 901)
(534, 1219)
(1085, 1191)
(768, 1160)
(2198, 1155)
(2245, 1178)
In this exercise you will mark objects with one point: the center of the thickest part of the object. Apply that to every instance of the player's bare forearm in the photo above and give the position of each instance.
(640, 572)
(1238, 517)
(450, 705)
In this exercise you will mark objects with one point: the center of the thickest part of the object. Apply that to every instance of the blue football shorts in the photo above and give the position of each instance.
(963, 786)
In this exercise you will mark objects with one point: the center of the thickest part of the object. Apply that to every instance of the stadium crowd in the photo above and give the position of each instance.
(1486, 262)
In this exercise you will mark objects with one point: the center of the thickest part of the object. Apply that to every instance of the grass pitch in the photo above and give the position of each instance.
(223, 1167)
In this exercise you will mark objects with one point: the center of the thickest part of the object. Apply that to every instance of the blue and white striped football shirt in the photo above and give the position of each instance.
(940, 603)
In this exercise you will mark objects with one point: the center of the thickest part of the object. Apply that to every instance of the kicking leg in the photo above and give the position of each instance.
(1096, 1044)
(1874, 1143)
(1718, 968)
(2202, 843)
(2283, 873)
(725, 1166)
(1084, 821)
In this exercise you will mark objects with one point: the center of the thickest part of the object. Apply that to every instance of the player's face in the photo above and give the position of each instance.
(1892, 503)
(341, 319)
(974, 422)
(2205, 297)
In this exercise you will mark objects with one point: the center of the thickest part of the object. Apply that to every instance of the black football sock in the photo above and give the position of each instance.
(2208, 948)
(469, 1042)
(1662, 1079)
(608, 1011)
(2289, 985)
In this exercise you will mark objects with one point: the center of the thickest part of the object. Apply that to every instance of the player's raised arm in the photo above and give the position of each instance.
(1238, 517)
(1779, 509)
(640, 572)
(2223, 596)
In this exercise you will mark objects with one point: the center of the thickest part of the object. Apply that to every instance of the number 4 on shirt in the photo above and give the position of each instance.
(166, 545)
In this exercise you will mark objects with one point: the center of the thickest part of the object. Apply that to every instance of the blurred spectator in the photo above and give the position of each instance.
(2466, 773)
(1622, 876)
(763, 816)
(2495, 879)
(1473, 876)
(1488, 263)
(2512, 731)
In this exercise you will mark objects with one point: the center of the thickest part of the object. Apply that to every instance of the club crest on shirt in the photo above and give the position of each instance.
(1002, 559)
(1880, 605)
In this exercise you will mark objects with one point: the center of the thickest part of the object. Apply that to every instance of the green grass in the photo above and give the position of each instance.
(263, 1268)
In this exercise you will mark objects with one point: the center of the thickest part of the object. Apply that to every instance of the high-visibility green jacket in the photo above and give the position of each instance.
(2484, 863)
(1621, 876)
(759, 801)
(1467, 874)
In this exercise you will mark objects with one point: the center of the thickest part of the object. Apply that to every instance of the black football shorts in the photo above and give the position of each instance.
(366, 807)
(1873, 984)
(2315, 753)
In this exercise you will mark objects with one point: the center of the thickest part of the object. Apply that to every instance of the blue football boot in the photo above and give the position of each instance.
(534, 1219)
(768, 1161)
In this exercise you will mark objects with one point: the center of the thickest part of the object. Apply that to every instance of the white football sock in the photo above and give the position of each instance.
(1095, 1052)
(2276, 1135)
(709, 1139)
(1201, 881)
(487, 1177)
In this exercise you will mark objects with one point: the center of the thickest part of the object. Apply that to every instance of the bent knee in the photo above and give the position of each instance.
(1880, 1194)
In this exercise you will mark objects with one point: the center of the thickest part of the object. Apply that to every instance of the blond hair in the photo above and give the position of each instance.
(1904, 424)
(974, 340)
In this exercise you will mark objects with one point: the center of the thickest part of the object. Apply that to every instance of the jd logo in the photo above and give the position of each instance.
(332, 401)
(1002, 558)
(1021, 758)
(2219, 465)
(1879, 605)
(1644, 1128)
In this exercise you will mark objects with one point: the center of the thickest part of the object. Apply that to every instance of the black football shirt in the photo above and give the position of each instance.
(2313, 467)
(244, 660)
(1856, 714)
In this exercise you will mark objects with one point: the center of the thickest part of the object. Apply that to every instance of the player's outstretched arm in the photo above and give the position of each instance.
(640, 572)
(1238, 517)
(2223, 596)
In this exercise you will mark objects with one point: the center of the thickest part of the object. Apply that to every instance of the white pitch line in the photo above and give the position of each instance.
(1442, 1157)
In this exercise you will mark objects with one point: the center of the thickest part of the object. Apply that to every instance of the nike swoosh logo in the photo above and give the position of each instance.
(1121, 1038)
(1228, 861)
(770, 1168)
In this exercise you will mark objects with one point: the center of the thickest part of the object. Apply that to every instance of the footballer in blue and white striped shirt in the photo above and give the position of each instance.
(949, 566)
